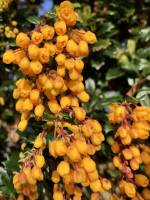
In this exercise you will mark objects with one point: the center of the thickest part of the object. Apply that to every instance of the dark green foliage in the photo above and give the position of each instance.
(118, 66)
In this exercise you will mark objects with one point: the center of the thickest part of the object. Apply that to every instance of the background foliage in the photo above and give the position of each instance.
(117, 69)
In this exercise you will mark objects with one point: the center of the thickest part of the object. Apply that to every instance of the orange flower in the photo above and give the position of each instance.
(22, 40)
(37, 37)
(60, 27)
(47, 32)
(67, 14)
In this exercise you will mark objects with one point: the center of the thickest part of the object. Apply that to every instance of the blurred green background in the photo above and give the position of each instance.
(117, 69)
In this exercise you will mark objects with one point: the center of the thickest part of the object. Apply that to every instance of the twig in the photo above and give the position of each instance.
(133, 90)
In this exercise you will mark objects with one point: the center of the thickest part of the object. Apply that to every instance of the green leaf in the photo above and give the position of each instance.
(97, 64)
(110, 140)
(12, 44)
(131, 46)
(107, 101)
(108, 127)
(130, 12)
(6, 185)
(114, 73)
(114, 173)
(146, 71)
(141, 34)
(87, 13)
(76, 5)
(50, 15)
(35, 20)
(130, 66)
(106, 150)
(144, 52)
(107, 27)
(11, 164)
(143, 96)
(142, 168)
(145, 34)
(101, 44)
(49, 137)
(143, 63)
(47, 116)
(110, 94)
(90, 85)
(67, 117)
(144, 91)
(132, 100)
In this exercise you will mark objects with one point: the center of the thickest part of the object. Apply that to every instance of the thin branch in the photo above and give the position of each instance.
(133, 90)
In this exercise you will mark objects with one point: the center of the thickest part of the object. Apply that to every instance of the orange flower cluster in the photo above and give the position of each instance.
(54, 59)
(129, 153)
(76, 143)
(50, 57)
(25, 181)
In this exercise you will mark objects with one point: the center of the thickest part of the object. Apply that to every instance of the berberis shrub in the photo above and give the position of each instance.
(82, 136)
